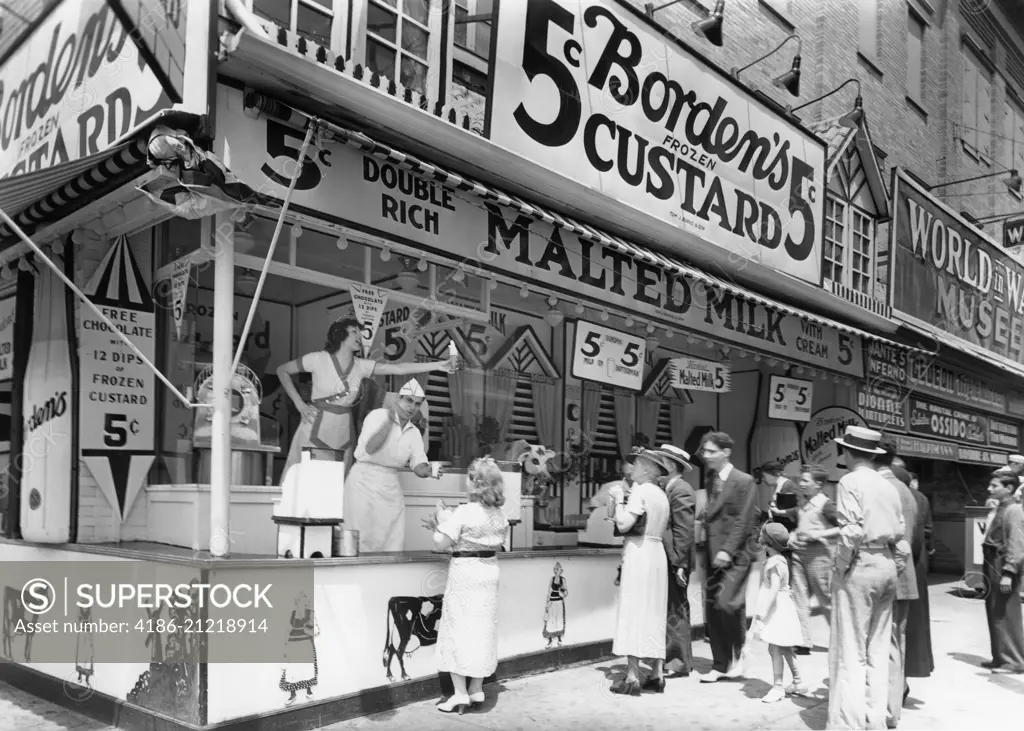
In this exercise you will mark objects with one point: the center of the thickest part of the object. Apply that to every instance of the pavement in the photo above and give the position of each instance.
(958, 695)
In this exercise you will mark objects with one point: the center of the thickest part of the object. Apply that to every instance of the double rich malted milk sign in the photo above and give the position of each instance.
(589, 90)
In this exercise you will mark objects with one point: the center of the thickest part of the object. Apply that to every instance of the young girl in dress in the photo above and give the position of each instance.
(776, 621)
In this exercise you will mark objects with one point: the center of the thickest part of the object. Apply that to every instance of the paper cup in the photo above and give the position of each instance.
(435, 468)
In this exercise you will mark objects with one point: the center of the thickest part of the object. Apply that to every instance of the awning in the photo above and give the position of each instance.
(45, 195)
(365, 143)
(952, 342)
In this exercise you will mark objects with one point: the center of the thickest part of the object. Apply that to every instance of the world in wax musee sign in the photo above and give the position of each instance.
(369, 193)
(947, 274)
(592, 91)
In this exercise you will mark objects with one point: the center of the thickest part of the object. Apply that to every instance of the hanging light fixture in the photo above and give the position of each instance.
(297, 230)
(493, 284)
(650, 328)
(554, 316)
(342, 242)
(524, 291)
(422, 266)
(711, 26)
(630, 321)
(852, 118)
(652, 343)
(669, 334)
(579, 308)
(690, 339)
(385, 254)
(459, 276)
(790, 81)
(604, 315)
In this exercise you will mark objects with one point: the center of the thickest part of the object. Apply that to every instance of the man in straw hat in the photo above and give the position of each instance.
(388, 442)
(730, 524)
(870, 555)
(678, 540)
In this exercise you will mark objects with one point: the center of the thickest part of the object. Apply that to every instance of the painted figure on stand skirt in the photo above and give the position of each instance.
(554, 607)
(84, 647)
(299, 673)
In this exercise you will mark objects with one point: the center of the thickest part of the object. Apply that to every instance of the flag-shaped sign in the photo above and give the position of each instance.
(368, 303)
(117, 388)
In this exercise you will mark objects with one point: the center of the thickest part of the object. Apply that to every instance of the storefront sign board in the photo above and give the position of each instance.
(117, 393)
(916, 447)
(179, 290)
(368, 303)
(1013, 232)
(8, 306)
(158, 28)
(1004, 434)
(366, 192)
(696, 374)
(608, 356)
(977, 455)
(75, 88)
(883, 406)
(934, 419)
(946, 273)
(790, 398)
(587, 89)
(817, 440)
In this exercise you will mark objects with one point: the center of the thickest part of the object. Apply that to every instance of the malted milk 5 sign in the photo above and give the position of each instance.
(790, 398)
(608, 356)
(697, 374)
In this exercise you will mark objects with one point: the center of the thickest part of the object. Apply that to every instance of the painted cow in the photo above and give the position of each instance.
(14, 612)
(408, 617)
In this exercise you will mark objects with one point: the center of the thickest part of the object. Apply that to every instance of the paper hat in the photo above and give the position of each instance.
(412, 388)
(861, 440)
(677, 455)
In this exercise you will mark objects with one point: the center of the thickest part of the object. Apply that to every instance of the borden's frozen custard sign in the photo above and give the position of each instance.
(75, 87)
(585, 89)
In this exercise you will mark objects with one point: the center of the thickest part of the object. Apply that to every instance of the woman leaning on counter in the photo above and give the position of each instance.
(338, 375)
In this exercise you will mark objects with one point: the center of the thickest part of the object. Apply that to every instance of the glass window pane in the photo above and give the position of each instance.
(329, 4)
(461, 29)
(314, 25)
(392, 3)
(276, 11)
(418, 10)
(380, 58)
(414, 75)
(414, 40)
(482, 44)
(383, 23)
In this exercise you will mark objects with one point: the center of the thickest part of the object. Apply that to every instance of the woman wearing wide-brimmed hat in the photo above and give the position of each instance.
(643, 591)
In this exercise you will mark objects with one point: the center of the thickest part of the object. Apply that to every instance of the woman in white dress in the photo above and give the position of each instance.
(643, 591)
(467, 639)
(374, 504)
(338, 376)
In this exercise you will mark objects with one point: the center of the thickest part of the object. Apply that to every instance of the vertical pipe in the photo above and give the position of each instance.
(223, 347)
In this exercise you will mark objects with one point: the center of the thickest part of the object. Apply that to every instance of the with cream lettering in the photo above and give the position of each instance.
(499, 238)
(584, 80)
(75, 87)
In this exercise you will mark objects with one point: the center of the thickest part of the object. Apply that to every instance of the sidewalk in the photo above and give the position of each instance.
(959, 694)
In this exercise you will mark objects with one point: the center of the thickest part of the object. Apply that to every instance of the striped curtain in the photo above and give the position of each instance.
(500, 398)
(649, 408)
(625, 421)
(464, 385)
(591, 413)
(677, 417)
(546, 408)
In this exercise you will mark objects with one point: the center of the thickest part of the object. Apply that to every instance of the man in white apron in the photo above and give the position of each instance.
(388, 442)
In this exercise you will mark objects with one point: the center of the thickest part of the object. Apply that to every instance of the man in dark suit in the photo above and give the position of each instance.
(920, 662)
(678, 541)
(730, 522)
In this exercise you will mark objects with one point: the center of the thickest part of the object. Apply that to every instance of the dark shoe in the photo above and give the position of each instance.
(803, 651)
(655, 684)
(990, 664)
(626, 687)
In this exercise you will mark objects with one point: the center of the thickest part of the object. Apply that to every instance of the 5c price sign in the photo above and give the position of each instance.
(790, 398)
(608, 356)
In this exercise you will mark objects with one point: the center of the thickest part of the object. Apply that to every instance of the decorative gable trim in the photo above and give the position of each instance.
(658, 384)
(524, 354)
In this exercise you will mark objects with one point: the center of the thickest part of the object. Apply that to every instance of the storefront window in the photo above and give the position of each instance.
(860, 254)
(835, 228)
(472, 34)
(398, 41)
(311, 19)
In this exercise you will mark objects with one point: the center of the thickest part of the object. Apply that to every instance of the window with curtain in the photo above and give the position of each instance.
(867, 29)
(524, 423)
(311, 19)
(1013, 134)
(915, 57)
(440, 399)
(664, 434)
(849, 245)
(399, 45)
(606, 441)
(976, 107)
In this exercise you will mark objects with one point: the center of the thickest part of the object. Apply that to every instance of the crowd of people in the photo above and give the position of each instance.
(860, 560)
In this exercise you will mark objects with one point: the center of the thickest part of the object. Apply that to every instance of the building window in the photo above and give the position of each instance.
(311, 19)
(473, 36)
(860, 251)
(398, 41)
(867, 40)
(1013, 135)
(976, 108)
(849, 246)
(835, 251)
(915, 58)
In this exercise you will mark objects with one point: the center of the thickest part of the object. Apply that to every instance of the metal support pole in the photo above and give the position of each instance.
(223, 342)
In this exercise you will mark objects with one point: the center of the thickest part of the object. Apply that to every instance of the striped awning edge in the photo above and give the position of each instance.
(41, 196)
(364, 142)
